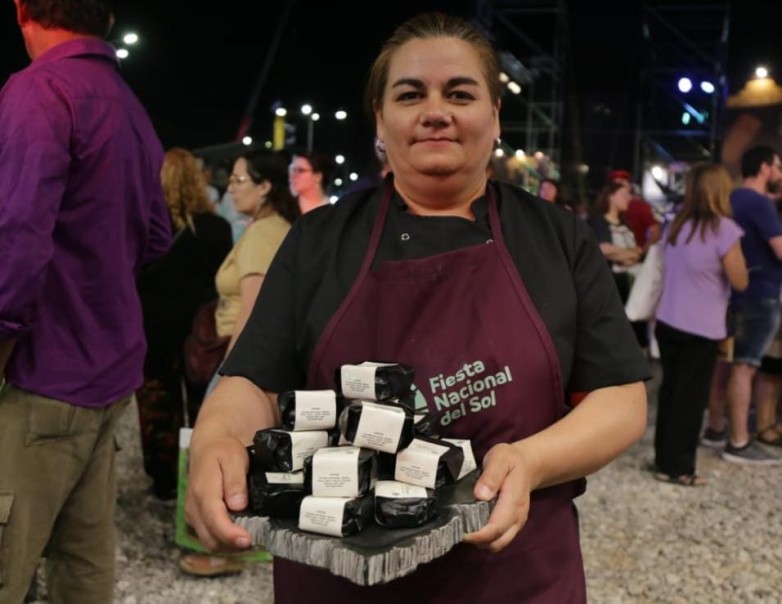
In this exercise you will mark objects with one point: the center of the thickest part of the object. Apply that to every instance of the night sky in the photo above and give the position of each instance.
(198, 63)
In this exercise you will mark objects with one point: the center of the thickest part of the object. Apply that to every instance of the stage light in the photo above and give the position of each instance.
(685, 85)
(707, 87)
(761, 72)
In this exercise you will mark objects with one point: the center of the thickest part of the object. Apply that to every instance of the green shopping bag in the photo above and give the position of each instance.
(185, 535)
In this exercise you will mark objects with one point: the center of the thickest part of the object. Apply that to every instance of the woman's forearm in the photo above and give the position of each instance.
(605, 424)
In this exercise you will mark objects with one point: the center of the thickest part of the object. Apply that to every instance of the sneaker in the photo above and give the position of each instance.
(750, 454)
(715, 438)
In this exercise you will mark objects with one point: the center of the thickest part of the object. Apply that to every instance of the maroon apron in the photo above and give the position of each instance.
(487, 368)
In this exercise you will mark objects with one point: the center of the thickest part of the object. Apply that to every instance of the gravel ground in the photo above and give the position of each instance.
(643, 541)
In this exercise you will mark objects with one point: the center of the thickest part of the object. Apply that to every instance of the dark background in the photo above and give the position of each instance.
(197, 64)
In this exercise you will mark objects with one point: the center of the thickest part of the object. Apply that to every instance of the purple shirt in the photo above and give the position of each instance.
(81, 208)
(695, 287)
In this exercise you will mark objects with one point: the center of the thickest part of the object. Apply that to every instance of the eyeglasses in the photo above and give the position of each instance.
(238, 179)
(297, 170)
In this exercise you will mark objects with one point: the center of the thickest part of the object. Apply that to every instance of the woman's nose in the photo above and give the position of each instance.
(436, 113)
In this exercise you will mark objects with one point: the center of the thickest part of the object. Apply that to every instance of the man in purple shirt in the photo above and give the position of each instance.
(81, 209)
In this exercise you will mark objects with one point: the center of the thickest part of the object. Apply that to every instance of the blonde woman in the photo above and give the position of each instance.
(171, 289)
(702, 261)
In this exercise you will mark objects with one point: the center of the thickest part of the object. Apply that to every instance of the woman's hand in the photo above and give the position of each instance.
(217, 484)
(506, 476)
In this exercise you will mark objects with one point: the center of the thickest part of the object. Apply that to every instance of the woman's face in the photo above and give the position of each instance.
(247, 195)
(437, 117)
(620, 198)
(302, 177)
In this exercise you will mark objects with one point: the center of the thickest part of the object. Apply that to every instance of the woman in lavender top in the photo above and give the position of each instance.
(702, 260)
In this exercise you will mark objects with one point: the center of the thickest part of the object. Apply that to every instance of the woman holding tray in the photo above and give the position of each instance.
(465, 279)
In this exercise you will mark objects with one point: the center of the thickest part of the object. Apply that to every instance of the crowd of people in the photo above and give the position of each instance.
(126, 273)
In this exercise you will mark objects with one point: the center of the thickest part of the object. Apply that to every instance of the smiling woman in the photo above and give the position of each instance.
(436, 265)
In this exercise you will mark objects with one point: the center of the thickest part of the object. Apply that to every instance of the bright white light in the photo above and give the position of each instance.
(685, 118)
(685, 85)
(306, 109)
(514, 87)
(130, 38)
(761, 72)
(707, 87)
(520, 154)
(281, 112)
(247, 140)
(504, 77)
(340, 159)
(659, 173)
(499, 153)
(333, 199)
(338, 182)
(341, 115)
(353, 176)
(268, 144)
(315, 117)
(122, 53)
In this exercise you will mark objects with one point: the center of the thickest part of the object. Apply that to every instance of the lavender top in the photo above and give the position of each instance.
(81, 208)
(695, 288)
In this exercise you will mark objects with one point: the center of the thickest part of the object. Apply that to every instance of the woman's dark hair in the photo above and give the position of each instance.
(425, 26)
(273, 166)
(602, 202)
(91, 17)
(321, 163)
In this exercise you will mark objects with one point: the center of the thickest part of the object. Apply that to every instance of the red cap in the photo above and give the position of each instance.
(619, 175)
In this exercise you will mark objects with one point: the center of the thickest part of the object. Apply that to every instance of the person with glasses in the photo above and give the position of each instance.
(310, 175)
(446, 270)
(756, 310)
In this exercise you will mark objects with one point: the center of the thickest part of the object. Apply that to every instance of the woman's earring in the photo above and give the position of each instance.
(380, 145)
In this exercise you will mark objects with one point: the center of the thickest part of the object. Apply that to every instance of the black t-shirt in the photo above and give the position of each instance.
(556, 253)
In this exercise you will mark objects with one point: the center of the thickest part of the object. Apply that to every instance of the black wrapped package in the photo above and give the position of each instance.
(378, 426)
(339, 472)
(429, 463)
(400, 505)
(469, 464)
(282, 451)
(336, 516)
(374, 381)
(425, 424)
(386, 465)
(305, 410)
(276, 494)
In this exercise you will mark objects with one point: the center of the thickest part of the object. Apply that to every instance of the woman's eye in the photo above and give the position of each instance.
(462, 95)
(408, 95)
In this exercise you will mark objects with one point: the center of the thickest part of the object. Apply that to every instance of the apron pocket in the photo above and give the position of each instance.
(6, 500)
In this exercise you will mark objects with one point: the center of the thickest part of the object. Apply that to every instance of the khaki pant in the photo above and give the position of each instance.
(57, 497)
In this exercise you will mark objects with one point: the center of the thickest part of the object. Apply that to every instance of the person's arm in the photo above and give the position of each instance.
(653, 234)
(736, 267)
(776, 246)
(603, 425)
(623, 255)
(217, 476)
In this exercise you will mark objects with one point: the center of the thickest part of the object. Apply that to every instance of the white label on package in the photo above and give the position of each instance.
(468, 465)
(304, 444)
(322, 515)
(417, 464)
(315, 409)
(379, 427)
(285, 477)
(358, 381)
(335, 472)
(398, 490)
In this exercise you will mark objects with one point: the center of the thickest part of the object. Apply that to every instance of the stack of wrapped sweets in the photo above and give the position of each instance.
(386, 467)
